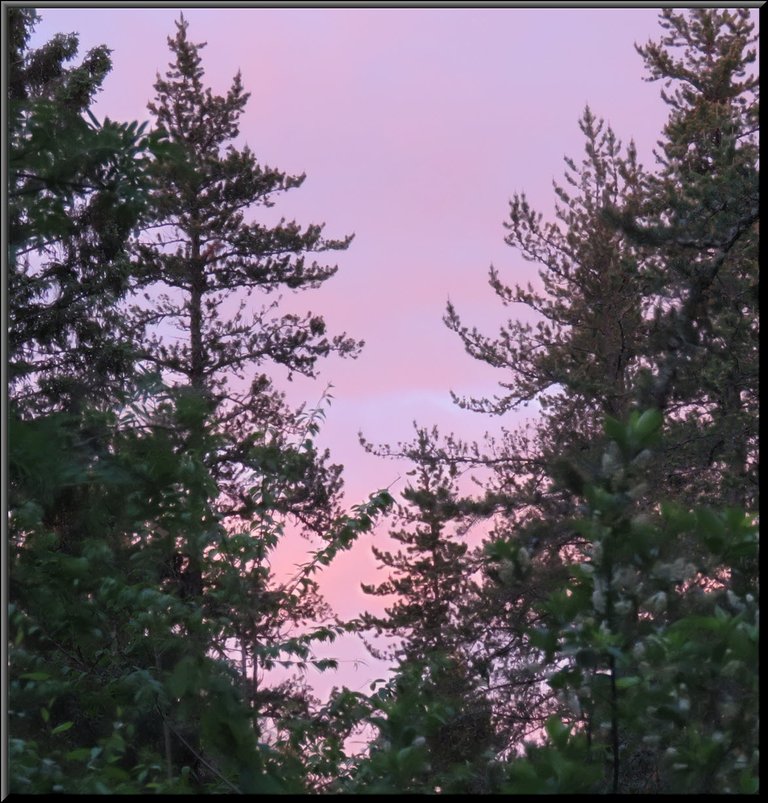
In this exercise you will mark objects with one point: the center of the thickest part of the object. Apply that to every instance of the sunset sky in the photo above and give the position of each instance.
(414, 126)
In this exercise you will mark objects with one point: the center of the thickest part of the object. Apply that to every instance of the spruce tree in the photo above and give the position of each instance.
(211, 275)
(76, 189)
(215, 259)
(432, 575)
(436, 639)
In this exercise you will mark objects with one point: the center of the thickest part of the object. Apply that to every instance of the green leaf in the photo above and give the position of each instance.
(185, 677)
(558, 731)
(748, 783)
(616, 431)
(647, 426)
(627, 682)
(79, 754)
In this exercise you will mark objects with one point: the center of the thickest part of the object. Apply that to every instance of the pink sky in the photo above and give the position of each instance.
(415, 127)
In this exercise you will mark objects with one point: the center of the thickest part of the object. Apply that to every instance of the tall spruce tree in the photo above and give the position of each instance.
(213, 257)
(207, 263)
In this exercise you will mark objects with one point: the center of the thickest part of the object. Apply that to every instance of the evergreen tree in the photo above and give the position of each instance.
(702, 219)
(76, 189)
(578, 361)
(204, 262)
(432, 576)
(630, 314)
(126, 591)
(432, 582)
(213, 258)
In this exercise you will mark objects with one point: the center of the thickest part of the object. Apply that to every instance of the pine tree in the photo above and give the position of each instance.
(702, 217)
(578, 361)
(205, 261)
(630, 316)
(213, 259)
